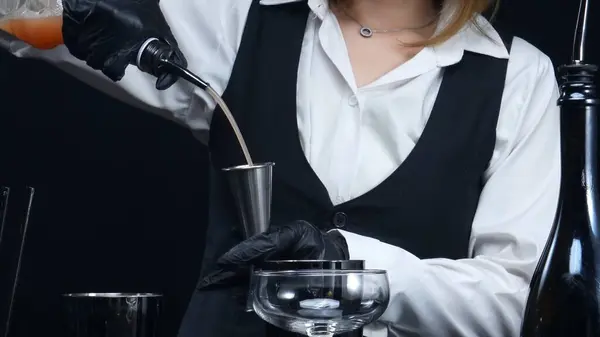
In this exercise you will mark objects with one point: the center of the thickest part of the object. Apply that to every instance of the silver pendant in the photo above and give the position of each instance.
(366, 32)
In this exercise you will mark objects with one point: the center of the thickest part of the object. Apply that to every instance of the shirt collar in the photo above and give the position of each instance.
(477, 37)
(319, 7)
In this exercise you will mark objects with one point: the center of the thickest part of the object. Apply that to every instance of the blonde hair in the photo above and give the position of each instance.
(463, 12)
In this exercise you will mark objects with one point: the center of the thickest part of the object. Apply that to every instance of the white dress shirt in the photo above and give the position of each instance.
(355, 137)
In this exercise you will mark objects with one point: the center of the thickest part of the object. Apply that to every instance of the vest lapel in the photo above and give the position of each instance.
(284, 27)
(454, 106)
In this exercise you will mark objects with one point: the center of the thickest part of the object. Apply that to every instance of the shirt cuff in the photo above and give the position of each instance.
(404, 270)
(376, 254)
(401, 266)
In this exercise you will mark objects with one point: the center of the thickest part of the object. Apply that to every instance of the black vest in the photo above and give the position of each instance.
(425, 207)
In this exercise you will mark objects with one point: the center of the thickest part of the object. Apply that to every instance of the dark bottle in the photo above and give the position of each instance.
(565, 289)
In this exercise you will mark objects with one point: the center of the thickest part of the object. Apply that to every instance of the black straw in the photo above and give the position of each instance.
(581, 32)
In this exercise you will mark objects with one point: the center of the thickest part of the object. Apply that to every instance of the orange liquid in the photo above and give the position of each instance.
(41, 33)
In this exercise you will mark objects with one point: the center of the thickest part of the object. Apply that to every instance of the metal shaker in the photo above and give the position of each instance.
(111, 314)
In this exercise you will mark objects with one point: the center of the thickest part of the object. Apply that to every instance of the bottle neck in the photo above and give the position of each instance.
(579, 143)
(579, 136)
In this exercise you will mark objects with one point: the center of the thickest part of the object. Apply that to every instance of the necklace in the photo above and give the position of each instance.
(367, 32)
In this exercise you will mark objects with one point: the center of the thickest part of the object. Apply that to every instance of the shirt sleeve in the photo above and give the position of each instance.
(208, 33)
(485, 295)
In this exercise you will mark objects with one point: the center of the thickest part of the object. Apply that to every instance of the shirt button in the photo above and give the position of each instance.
(340, 219)
(353, 101)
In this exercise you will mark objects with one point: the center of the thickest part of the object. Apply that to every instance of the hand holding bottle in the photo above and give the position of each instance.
(107, 34)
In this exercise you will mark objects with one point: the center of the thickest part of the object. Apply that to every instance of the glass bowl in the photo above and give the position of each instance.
(320, 302)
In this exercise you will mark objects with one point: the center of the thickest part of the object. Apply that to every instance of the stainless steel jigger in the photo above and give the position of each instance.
(251, 186)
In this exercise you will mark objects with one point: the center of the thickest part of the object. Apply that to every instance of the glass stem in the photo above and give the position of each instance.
(250, 296)
(320, 330)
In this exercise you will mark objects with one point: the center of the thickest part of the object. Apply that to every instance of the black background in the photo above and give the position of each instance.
(120, 194)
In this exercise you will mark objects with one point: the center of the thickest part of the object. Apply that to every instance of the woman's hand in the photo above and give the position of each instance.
(298, 240)
(107, 34)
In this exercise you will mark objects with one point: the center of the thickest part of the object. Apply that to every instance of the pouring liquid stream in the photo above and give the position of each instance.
(232, 122)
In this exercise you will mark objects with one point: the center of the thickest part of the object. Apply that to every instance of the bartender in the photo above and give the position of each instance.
(410, 134)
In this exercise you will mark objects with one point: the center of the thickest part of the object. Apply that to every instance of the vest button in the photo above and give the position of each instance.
(339, 219)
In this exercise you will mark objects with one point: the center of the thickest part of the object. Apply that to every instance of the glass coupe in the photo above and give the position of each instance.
(320, 302)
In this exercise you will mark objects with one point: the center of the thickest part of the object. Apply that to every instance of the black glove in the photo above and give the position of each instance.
(298, 240)
(107, 34)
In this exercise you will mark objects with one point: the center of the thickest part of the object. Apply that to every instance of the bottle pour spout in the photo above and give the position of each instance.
(154, 58)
